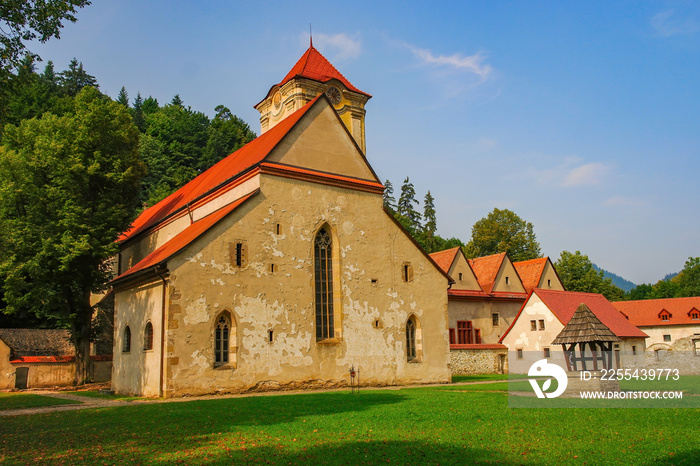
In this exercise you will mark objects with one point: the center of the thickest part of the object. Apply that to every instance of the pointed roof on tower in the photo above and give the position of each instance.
(313, 65)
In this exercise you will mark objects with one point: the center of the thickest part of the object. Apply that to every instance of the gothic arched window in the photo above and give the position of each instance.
(323, 271)
(127, 339)
(221, 341)
(411, 339)
(148, 337)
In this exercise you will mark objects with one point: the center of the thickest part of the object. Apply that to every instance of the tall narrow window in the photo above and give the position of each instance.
(148, 337)
(221, 337)
(410, 339)
(464, 332)
(127, 340)
(323, 269)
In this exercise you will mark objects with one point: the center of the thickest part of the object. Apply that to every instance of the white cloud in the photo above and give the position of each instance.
(472, 63)
(667, 24)
(571, 173)
(337, 46)
(585, 175)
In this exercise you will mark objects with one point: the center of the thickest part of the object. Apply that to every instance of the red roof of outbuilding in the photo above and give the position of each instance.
(563, 304)
(313, 65)
(225, 170)
(530, 272)
(184, 238)
(486, 269)
(445, 258)
(645, 313)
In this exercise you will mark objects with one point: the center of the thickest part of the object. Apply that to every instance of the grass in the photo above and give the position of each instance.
(105, 396)
(406, 426)
(29, 400)
(478, 377)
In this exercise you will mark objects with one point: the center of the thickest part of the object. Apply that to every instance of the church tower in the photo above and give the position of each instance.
(311, 76)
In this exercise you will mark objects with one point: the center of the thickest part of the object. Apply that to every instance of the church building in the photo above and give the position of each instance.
(278, 267)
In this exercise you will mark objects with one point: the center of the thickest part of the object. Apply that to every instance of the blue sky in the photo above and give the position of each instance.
(582, 117)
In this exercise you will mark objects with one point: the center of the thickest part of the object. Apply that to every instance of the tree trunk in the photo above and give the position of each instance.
(81, 340)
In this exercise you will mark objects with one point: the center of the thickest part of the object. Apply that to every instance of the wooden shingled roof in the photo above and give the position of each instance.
(584, 326)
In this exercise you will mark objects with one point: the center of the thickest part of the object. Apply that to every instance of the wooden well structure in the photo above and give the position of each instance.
(583, 330)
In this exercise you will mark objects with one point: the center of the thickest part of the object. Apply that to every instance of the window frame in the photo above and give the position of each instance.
(126, 344)
(148, 337)
(222, 340)
(323, 284)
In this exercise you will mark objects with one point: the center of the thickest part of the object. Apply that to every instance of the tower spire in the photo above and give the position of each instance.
(311, 37)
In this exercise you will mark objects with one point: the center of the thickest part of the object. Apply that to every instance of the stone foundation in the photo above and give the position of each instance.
(471, 361)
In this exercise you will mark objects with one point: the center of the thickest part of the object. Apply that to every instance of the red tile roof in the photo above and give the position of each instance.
(530, 272)
(183, 239)
(645, 313)
(563, 304)
(445, 258)
(486, 269)
(467, 294)
(55, 359)
(313, 65)
(224, 171)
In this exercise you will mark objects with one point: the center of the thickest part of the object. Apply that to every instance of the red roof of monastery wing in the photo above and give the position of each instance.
(313, 65)
(486, 269)
(184, 238)
(564, 303)
(646, 312)
(445, 258)
(244, 158)
(530, 272)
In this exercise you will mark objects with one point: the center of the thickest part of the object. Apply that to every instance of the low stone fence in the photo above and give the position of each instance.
(478, 359)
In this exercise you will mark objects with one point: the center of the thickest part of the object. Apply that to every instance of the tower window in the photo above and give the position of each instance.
(238, 254)
(148, 337)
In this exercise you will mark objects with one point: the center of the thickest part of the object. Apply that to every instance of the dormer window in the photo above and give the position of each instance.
(694, 314)
(665, 315)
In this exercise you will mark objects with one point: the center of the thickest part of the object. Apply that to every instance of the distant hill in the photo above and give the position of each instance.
(669, 276)
(617, 280)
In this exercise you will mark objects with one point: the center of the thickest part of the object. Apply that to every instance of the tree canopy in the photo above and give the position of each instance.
(576, 273)
(682, 285)
(68, 185)
(503, 231)
(26, 20)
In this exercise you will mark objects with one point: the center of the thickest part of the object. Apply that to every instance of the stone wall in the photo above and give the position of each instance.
(468, 361)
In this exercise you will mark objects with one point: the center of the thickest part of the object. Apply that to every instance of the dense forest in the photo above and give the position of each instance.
(173, 143)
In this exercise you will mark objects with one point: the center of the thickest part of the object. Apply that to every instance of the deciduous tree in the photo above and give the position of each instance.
(577, 274)
(503, 231)
(68, 186)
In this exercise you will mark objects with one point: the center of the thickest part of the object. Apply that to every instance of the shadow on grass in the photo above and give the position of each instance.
(341, 453)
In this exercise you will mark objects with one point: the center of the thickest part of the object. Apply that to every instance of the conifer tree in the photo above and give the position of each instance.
(408, 216)
(430, 226)
(389, 201)
(123, 97)
(75, 78)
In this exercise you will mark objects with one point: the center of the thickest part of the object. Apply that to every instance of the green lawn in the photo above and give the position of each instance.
(478, 377)
(29, 400)
(105, 396)
(407, 426)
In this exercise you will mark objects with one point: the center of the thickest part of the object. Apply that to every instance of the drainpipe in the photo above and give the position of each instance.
(162, 336)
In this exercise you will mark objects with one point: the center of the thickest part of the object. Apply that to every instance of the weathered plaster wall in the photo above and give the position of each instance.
(481, 315)
(146, 244)
(7, 372)
(48, 375)
(468, 362)
(137, 371)
(533, 342)
(467, 280)
(512, 284)
(677, 332)
(373, 302)
(550, 279)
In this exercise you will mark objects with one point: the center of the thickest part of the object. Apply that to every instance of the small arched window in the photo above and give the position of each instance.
(323, 271)
(127, 339)
(148, 337)
(221, 341)
(410, 339)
